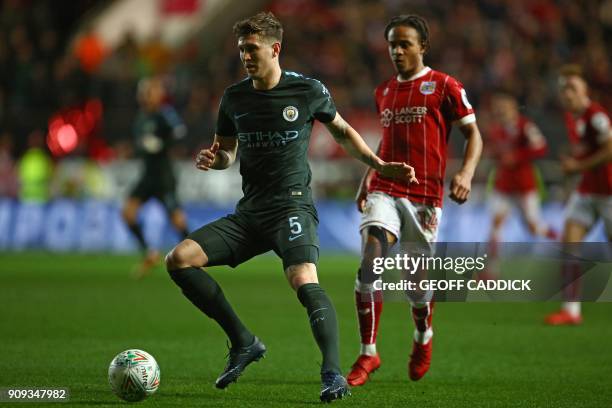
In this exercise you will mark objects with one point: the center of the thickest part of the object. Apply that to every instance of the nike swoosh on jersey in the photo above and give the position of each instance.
(294, 237)
(238, 116)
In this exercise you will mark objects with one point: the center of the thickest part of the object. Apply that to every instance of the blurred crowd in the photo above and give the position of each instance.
(48, 72)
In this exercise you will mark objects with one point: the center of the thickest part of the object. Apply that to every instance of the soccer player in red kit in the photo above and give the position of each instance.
(417, 108)
(590, 134)
(515, 142)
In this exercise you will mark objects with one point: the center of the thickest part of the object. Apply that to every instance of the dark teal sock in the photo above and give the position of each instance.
(205, 293)
(184, 233)
(137, 232)
(322, 317)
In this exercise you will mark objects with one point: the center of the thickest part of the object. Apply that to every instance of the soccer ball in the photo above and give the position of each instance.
(133, 375)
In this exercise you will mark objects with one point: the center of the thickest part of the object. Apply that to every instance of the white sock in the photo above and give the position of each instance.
(423, 337)
(364, 288)
(573, 308)
(368, 349)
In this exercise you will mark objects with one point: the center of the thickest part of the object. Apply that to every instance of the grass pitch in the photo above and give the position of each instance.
(63, 318)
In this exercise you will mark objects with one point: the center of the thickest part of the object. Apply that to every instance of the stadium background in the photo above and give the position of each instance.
(68, 77)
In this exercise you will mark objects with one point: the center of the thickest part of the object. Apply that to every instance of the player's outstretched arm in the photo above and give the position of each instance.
(461, 185)
(353, 143)
(220, 155)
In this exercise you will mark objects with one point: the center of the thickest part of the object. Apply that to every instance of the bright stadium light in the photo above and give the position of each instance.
(67, 138)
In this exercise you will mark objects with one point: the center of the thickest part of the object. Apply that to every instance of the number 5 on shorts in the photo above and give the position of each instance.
(294, 226)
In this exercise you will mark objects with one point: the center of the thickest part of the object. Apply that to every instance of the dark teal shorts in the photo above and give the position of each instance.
(238, 237)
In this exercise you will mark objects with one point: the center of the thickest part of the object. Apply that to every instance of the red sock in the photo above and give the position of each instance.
(422, 316)
(552, 234)
(571, 280)
(369, 307)
(491, 271)
(493, 247)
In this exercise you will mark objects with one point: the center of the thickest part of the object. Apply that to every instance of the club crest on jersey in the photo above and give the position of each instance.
(290, 113)
(427, 87)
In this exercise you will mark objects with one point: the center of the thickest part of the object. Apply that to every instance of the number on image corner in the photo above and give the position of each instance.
(294, 226)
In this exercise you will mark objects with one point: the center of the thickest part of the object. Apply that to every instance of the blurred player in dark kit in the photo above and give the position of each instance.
(417, 108)
(590, 135)
(156, 128)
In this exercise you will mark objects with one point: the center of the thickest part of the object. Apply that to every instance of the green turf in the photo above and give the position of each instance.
(63, 318)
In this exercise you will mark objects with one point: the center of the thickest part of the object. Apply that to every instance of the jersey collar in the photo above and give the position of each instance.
(419, 74)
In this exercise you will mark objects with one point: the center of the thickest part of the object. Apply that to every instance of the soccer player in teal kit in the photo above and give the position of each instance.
(268, 117)
(157, 128)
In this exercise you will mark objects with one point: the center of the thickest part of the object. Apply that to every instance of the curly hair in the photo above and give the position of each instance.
(411, 20)
(568, 70)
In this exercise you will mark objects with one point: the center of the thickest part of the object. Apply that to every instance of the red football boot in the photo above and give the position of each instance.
(361, 370)
(420, 360)
(562, 318)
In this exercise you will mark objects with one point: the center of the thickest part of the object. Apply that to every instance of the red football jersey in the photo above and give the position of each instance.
(588, 133)
(416, 116)
(523, 143)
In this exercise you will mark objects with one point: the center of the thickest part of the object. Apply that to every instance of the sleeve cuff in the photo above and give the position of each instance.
(467, 119)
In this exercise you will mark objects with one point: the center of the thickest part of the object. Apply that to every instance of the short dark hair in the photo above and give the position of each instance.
(503, 92)
(571, 70)
(263, 24)
(411, 20)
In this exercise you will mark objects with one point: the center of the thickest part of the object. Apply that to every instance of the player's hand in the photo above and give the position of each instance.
(398, 170)
(569, 165)
(460, 187)
(361, 198)
(206, 157)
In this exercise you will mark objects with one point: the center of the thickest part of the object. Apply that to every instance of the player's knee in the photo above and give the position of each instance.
(365, 273)
(186, 254)
(377, 244)
(301, 274)
(178, 219)
(129, 215)
(378, 240)
(130, 211)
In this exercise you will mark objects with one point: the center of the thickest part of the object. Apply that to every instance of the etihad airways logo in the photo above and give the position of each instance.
(267, 139)
(405, 115)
